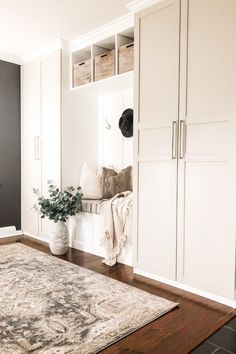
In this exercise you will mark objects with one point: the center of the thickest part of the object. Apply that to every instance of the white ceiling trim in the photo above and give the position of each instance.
(42, 51)
(137, 5)
(100, 33)
(9, 58)
(105, 31)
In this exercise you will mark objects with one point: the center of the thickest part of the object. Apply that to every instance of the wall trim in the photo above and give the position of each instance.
(188, 288)
(10, 58)
(111, 28)
(82, 247)
(12, 234)
(41, 51)
(138, 5)
(25, 233)
(77, 245)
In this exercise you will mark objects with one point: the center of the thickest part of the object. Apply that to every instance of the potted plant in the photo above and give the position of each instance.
(59, 206)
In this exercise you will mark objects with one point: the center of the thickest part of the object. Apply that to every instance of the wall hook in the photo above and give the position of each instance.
(107, 124)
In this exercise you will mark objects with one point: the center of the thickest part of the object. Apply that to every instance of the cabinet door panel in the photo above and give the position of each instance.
(30, 100)
(155, 142)
(156, 109)
(208, 226)
(210, 50)
(30, 105)
(50, 128)
(156, 220)
(158, 64)
(30, 180)
(51, 96)
(207, 174)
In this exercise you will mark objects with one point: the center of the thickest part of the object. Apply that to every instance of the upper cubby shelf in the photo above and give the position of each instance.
(103, 59)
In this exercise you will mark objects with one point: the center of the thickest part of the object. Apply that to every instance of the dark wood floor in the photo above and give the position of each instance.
(178, 332)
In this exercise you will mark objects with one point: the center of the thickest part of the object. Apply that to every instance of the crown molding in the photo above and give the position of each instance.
(137, 5)
(111, 28)
(9, 58)
(105, 31)
(42, 51)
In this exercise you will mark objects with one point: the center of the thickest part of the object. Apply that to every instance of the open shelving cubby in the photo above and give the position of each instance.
(125, 51)
(103, 59)
(82, 67)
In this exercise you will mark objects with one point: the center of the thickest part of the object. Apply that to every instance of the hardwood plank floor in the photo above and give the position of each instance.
(178, 332)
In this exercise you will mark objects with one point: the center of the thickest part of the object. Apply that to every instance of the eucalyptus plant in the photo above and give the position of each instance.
(59, 205)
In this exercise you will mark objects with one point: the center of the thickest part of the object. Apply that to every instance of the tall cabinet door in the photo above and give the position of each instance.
(157, 47)
(207, 176)
(50, 128)
(30, 106)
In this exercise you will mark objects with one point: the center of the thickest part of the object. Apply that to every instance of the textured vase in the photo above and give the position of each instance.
(59, 239)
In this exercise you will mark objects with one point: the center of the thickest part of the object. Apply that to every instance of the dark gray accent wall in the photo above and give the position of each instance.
(10, 161)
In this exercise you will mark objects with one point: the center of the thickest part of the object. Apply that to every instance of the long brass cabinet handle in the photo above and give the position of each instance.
(174, 140)
(182, 136)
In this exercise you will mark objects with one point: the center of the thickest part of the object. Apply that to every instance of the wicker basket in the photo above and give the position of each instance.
(105, 65)
(126, 58)
(82, 73)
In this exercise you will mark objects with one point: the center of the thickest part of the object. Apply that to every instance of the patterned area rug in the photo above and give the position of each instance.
(50, 306)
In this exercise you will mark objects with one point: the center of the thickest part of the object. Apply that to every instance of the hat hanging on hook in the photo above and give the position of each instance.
(126, 123)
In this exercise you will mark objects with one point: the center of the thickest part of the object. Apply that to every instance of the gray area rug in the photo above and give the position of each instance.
(50, 306)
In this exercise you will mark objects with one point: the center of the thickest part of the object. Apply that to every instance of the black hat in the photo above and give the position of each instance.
(126, 123)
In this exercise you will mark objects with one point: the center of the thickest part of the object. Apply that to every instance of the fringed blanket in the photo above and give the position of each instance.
(116, 212)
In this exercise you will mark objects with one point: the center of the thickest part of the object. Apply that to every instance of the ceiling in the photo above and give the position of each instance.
(29, 24)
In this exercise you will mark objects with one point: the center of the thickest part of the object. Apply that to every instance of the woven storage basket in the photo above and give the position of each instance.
(82, 73)
(126, 58)
(105, 65)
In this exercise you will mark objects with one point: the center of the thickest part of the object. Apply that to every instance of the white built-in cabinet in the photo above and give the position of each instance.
(185, 143)
(41, 135)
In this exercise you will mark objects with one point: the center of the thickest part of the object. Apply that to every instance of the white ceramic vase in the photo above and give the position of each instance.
(59, 239)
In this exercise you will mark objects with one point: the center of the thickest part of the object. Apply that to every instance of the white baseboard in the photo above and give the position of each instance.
(188, 288)
(9, 232)
(82, 247)
(35, 236)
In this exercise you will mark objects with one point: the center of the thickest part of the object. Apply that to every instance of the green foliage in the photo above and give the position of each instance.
(59, 205)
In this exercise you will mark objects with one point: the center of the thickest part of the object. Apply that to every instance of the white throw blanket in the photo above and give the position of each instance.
(116, 211)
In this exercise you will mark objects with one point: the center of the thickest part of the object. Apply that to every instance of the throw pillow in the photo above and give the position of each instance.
(114, 183)
(90, 182)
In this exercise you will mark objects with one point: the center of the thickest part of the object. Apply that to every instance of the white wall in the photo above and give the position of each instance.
(80, 120)
(114, 149)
